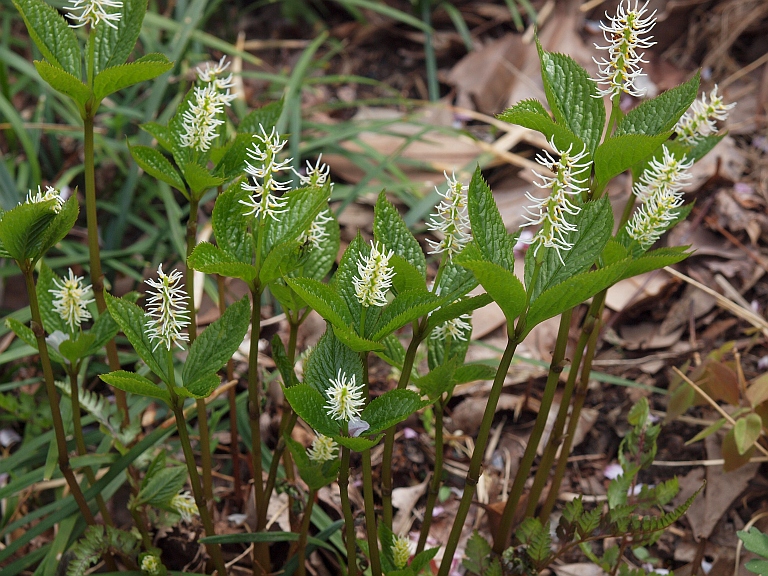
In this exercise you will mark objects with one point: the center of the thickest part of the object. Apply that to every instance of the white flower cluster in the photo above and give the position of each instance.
(660, 190)
(201, 121)
(151, 564)
(456, 328)
(213, 75)
(323, 449)
(184, 505)
(168, 310)
(451, 219)
(375, 277)
(316, 175)
(264, 201)
(317, 233)
(552, 211)
(70, 300)
(624, 35)
(699, 121)
(345, 398)
(50, 194)
(94, 11)
(401, 552)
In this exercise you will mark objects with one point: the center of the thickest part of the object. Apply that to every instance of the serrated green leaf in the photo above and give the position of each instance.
(265, 117)
(757, 566)
(573, 96)
(60, 226)
(51, 34)
(488, 229)
(329, 357)
(422, 560)
(571, 292)
(323, 299)
(160, 133)
(342, 281)
(473, 372)
(112, 46)
(45, 283)
(232, 162)
(135, 384)
(390, 229)
(282, 259)
(406, 307)
(64, 82)
(133, 322)
(501, 285)
(439, 380)
(199, 178)
(216, 344)
(533, 116)
(540, 545)
(230, 226)
(22, 331)
(320, 259)
(754, 541)
(104, 329)
(463, 306)
(23, 229)
(358, 444)
(283, 363)
(162, 486)
(116, 78)
(74, 350)
(704, 146)
(309, 404)
(210, 259)
(154, 163)
(201, 387)
(315, 475)
(661, 113)
(303, 205)
(407, 277)
(389, 409)
(355, 342)
(747, 431)
(477, 554)
(594, 225)
(656, 259)
(619, 153)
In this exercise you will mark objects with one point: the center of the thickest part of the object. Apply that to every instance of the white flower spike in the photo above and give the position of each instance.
(168, 310)
(93, 12)
(151, 564)
(50, 194)
(451, 219)
(323, 449)
(345, 398)
(401, 551)
(70, 300)
(375, 277)
(699, 121)
(317, 233)
(316, 175)
(213, 75)
(184, 505)
(551, 212)
(457, 328)
(625, 36)
(201, 121)
(659, 189)
(669, 174)
(265, 200)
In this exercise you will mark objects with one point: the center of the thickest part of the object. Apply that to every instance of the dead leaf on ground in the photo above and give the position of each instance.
(468, 415)
(405, 499)
(579, 569)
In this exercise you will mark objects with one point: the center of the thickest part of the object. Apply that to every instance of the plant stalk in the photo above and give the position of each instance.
(434, 487)
(304, 532)
(346, 509)
(370, 515)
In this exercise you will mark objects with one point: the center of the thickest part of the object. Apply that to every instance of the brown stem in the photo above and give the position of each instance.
(346, 509)
(434, 487)
(304, 532)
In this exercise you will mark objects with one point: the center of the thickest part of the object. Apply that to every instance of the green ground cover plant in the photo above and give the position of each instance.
(275, 231)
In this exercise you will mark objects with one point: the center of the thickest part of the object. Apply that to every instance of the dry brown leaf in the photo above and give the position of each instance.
(468, 415)
(692, 302)
(579, 569)
(405, 499)
(636, 288)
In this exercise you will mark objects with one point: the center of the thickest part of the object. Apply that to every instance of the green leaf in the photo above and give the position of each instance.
(619, 153)
(265, 117)
(323, 299)
(531, 114)
(211, 259)
(116, 78)
(22, 331)
(389, 409)
(201, 387)
(199, 178)
(438, 381)
(74, 350)
(708, 431)
(473, 373)
(571, 292)
(51, 34)
(573, 96)
(64, 82)
(594, 225)
(303, 205)
(23, 229)
(216, 344)
(355, 342)
(661, 113)
(357, 444)
(478, 554)
(135, 384)
(463, 306)
(501, 285)
(406, 307)
(133, 323)
(329, 357)
(162, 486)
(656, 259)
(160, 133)
(321, 259)
(747, 431)
(230, 226)
(154, 163)
(51, 319)
(757, 566)
(407, 277)
(62, 223)
(488, 228)
(315, 475)
(112, 46)
(754, 541)
(390, 229)
(309, 404)
(421, 560)
(342, 281)
(282, 259)
(231, 164)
